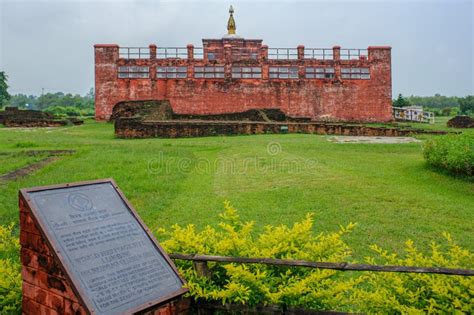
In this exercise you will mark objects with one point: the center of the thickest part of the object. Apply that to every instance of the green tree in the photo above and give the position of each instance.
(401, 101)
(466, 105)
(447, 111)
(4, 95)
(23, 101)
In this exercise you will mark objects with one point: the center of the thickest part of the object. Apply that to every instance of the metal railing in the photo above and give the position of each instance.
(198, 53)
(283, 53)
(354, 53)
(319, 53)
(171, 52)
(134, 52)
(243, 53)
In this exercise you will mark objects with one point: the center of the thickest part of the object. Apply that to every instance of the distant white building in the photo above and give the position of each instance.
(413, 113)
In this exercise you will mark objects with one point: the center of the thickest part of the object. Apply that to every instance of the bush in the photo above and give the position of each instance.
(454, 153)
(69, 111)
(398, 293)
(10, 272)
(316, 289)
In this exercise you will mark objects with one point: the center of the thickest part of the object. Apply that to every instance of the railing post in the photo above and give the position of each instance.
(190, 48)
(263, 59)
(264, 52)
(202, 269)
(300, 55)
(336, 55)
(300, 50)
(152, 51)
(152, 63)
(190, 70)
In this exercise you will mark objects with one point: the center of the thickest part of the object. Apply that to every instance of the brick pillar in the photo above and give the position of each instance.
(336, 52)
(105, 58)
(263, 59)
(228, 61)
(152, 52)
(300, 50)
(190, 48)
(264, 52)
(380, 60)
(152, 61)
(300, 55)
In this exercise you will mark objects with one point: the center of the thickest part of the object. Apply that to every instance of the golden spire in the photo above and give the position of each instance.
(231, 23)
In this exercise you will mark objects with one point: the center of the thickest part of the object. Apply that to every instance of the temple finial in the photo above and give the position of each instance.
(231, 23)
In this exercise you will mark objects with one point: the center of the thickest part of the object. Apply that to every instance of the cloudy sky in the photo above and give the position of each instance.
(49, 44)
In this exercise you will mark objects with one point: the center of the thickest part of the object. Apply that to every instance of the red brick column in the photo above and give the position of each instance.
(263, 59)
(300, 50)
(190, 48)
(153, 62)
(106, 57)
(380, 59)
(264, 53)
(336, 52)
(152, 52)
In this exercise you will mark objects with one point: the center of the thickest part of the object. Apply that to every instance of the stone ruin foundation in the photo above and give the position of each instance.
(14, 117)
(148, 119)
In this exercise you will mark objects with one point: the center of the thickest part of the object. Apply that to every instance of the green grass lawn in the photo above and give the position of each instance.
(387, 189)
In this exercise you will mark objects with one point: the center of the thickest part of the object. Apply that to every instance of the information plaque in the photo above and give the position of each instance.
(114, 263)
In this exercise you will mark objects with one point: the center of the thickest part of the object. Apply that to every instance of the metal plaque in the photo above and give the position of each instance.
(113, 262)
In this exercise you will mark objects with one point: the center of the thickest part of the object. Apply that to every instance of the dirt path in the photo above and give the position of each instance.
(53, 155)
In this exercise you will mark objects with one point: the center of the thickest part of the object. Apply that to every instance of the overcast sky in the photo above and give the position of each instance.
(49, 44)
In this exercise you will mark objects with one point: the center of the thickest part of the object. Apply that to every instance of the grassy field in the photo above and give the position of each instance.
(273, 179)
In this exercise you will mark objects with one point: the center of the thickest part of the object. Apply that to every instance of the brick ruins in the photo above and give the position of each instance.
(134, 127)
(14, 117)
(235, 75)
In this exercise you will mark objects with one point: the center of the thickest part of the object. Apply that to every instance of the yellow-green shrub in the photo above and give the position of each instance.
(10, 272)
(368, 292)
(418, 293)
(260, 284)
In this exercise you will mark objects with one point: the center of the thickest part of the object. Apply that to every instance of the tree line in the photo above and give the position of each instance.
(439, 104)
(59, 103)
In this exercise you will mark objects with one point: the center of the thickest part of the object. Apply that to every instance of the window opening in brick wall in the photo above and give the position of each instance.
(283, 73)
(209, 72)
(319, 73)
(355, 73)
(171, 72)
(246, 72)
(132, 72)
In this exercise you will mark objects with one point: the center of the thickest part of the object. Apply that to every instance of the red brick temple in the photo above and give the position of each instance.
(233, 74)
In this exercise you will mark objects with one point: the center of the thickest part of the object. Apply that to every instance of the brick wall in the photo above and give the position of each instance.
(334, 99)
(137, 128)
